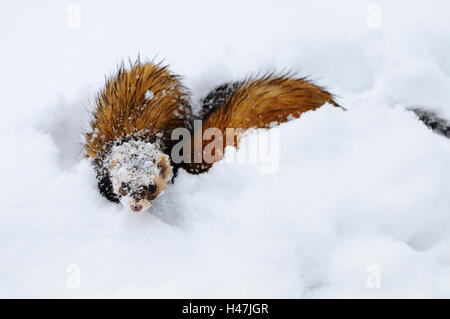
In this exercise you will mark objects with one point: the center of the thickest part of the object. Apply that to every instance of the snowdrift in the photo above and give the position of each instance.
(358, 204)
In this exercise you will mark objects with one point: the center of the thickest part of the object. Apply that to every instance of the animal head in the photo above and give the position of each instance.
(139, 173)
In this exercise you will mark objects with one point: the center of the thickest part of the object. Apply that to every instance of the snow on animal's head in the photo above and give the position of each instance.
(139, 173)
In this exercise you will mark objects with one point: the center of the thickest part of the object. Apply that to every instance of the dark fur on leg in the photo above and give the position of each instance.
(104, 182)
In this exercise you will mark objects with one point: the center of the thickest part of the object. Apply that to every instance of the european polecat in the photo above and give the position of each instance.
(130, 137)
(130, 141)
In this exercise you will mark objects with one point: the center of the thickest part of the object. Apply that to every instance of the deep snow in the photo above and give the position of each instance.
(358, 207)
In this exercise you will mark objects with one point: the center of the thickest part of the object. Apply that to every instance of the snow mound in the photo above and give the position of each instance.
(353, 189)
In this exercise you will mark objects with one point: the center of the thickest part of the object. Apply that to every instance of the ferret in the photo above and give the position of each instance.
(130, 142)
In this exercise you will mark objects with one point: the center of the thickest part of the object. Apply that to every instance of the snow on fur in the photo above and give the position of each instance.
(134, 161)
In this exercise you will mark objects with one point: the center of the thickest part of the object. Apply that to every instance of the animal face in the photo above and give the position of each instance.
(139, 173)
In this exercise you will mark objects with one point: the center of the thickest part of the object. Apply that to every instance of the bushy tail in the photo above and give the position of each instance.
(254, 103)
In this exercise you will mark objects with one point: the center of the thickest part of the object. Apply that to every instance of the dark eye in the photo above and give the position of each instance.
(124, 189)
(151, 188)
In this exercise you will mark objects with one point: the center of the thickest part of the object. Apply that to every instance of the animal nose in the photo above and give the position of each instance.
(136, 208)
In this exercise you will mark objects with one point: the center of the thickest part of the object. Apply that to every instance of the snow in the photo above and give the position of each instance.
(149, 95)
(358, 205)
(134, 161)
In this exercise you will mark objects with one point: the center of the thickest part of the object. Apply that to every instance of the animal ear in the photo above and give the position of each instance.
(163, 166)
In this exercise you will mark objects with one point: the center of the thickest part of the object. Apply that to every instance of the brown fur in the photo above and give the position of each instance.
(259, 103)
(122, 109)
